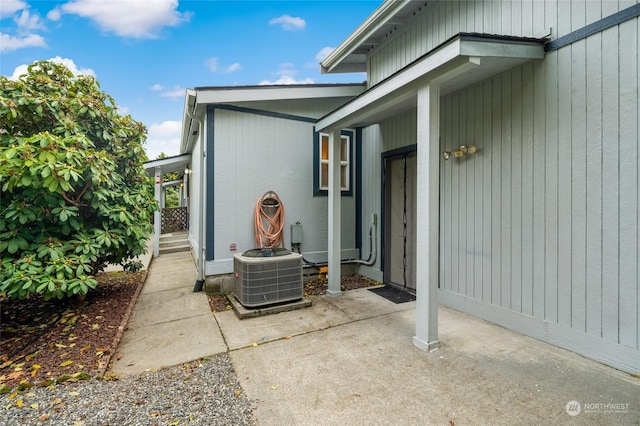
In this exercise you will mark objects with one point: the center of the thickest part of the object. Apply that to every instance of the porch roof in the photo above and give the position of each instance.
(461, 61)
(173, 164)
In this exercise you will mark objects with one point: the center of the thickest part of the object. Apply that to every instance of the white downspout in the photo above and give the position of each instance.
(203, 181)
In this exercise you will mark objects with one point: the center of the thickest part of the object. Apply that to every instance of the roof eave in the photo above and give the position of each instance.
(332, 63)
(186, 138)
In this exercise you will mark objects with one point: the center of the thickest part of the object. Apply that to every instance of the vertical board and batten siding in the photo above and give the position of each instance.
(540, 229)
(255, 154)
(371, 199)
(391, 134)
(543, 221)
(440, 20)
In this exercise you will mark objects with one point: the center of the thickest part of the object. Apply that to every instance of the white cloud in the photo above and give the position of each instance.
(22, 69)
(289, 23)
(233, 67)
(177, 92)
(141, 19)
(27, 22)
(214, 66)
(9, 7)
(9, 42)
(163, 137)
(54, 14)
(286, 69)
(323, 53)
(286, 79)
(286, 73)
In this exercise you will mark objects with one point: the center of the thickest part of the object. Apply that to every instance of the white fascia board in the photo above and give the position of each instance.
(379, 17)
(276, 93)
(186, 144)
(168, 165)
(386, 88)
(452, 59)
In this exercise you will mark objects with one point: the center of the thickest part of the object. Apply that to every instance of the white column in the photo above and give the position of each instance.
(157, 219)
(333, 275)
(427, 220)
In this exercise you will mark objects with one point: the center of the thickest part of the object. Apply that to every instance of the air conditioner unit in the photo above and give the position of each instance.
(267, 276)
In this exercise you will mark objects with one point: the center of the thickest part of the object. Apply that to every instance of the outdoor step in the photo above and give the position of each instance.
(180, 236)
(175, 249)
(173, 243)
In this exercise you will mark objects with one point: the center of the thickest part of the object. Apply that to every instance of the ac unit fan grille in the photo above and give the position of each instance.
(268, 281)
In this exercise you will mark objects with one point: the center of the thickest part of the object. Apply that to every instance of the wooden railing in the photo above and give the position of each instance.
(174, 219)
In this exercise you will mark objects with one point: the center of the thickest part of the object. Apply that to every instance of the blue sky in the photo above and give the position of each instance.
(145, 53)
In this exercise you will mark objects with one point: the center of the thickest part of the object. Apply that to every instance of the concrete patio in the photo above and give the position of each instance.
(351, 360)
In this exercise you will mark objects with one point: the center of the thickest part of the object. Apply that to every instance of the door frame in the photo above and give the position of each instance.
(385, 224)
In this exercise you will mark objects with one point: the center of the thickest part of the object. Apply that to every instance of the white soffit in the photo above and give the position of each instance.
(351, 54)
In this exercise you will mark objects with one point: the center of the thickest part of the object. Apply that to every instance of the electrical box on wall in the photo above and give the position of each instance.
(296, 233)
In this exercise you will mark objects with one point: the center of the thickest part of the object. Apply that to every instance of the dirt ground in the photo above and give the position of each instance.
(45, 343)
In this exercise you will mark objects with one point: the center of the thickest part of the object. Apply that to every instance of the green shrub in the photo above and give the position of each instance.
(74, 194)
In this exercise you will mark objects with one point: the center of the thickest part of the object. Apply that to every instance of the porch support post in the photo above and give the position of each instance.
(427, 220)
(157, 219)
(333, 275)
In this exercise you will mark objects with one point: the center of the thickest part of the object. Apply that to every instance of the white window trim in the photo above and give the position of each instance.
(343, 163)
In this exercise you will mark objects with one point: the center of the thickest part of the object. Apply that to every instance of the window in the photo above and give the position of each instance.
(321, 163)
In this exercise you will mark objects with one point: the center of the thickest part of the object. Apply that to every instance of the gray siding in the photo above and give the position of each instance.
(540, 229)
(543, 220)
(255, 154)
(440, 20)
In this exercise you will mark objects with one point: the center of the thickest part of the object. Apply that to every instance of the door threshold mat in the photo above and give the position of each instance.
(393, 294)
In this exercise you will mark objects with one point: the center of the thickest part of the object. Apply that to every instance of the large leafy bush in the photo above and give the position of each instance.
(74, 194)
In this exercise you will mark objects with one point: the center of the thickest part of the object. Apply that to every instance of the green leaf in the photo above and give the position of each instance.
(53, 186)
(13, 246)
(26, 180)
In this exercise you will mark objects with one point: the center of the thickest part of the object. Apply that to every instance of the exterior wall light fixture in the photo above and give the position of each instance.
(460, 152)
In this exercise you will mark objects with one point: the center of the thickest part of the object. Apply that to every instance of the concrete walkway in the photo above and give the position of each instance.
(170, 324)
(350, 360)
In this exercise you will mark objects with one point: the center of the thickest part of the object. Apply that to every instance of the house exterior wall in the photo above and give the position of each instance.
(540, 228)
(255, 154)
(441, 20)
(194, 197)
(371, 199)
(543, 221)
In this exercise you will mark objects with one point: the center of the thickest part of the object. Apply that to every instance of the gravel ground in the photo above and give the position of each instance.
(204, 392)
